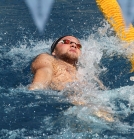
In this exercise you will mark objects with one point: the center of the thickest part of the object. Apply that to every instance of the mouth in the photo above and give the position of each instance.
(72, 50)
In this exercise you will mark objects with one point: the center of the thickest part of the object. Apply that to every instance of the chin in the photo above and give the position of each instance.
(69, 56)
(72, 55)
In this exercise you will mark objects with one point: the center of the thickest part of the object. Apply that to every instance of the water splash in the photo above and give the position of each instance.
(52, 112)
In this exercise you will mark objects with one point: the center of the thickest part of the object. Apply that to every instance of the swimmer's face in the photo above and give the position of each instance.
(68, 46)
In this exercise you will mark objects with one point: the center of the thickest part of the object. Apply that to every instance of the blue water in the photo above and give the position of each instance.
(49, 114)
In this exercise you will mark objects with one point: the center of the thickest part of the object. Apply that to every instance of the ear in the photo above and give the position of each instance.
(53, 53)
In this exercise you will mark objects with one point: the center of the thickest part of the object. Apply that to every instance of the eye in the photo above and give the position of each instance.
(66, 41)
(79, 46)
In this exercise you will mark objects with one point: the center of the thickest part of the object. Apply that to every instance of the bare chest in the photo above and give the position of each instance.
(62, 74)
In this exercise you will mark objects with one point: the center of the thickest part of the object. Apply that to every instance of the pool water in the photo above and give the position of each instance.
(48, 114)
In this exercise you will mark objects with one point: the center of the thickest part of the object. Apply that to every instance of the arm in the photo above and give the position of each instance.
(42, 70)
(100, 112)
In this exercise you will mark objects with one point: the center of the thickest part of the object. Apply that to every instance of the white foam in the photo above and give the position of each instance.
(23, 53)
(94, 47)
(93, 50)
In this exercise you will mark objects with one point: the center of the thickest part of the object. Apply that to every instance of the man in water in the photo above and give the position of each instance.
(56, 70)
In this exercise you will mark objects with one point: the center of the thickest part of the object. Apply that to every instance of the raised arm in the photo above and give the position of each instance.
(42, 70)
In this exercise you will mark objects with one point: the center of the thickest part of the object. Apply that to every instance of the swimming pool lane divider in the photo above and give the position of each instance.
(114, 14)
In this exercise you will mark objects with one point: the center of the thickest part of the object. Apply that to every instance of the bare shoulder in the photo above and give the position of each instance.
(42, 60)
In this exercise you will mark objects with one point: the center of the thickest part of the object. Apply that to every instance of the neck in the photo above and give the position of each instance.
(68, 61)
(71, 62)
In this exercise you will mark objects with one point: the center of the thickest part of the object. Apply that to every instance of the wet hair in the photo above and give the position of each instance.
(56, 41)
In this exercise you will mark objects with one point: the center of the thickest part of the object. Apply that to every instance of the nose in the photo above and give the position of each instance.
(73, 44)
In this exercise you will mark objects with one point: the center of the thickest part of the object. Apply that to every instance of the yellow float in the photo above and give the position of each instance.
(113, 13)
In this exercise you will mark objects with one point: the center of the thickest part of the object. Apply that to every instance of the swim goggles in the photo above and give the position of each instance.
(66, 41)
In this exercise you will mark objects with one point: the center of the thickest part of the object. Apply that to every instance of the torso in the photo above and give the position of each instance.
(63, 73)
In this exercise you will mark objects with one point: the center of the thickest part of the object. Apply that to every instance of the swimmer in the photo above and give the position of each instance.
(55, 71)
